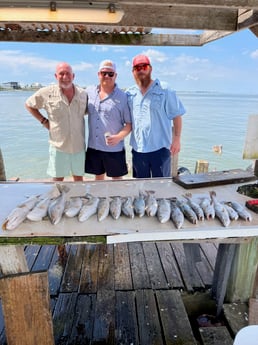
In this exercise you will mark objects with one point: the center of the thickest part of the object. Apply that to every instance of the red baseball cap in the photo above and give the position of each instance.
(141, 59)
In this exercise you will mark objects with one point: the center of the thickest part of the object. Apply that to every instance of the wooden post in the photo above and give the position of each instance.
(26, 307)
(243, 272)
(201, 167)
(2, 169)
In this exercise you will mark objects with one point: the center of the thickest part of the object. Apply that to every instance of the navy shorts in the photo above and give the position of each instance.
(101, 162)
(152, 164)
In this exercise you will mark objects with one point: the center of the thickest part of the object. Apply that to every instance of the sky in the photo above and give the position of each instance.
(229, 64)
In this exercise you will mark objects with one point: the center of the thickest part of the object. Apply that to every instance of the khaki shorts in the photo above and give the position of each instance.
(63, 164)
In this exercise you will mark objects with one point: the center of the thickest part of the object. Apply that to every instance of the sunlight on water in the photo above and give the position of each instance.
(211, 119)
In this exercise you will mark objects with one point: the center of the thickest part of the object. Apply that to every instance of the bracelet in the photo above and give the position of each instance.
(43, 121)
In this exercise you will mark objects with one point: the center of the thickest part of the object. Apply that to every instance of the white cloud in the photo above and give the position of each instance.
(254, 54)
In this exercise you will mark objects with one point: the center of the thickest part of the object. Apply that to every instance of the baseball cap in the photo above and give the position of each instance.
(107, 64)
(141, 59)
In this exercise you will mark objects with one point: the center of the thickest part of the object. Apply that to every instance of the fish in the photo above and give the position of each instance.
(139, 205)
(195, 206)
(233, 215)
(242, 212)
(115, 207)
(151, 204)
(220, 210)
(127, 207)
(40, 210)
(103, 209)
(19, 213)
(164, 210)
(187, 211)
(89, 208)
(176, 215)
(73, 206)
(208, 208)
(57, 205)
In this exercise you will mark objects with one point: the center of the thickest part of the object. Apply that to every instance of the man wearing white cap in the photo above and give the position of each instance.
(109, 123)
(153, 109)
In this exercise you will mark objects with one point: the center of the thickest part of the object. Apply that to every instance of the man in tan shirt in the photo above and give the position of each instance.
(65, 105)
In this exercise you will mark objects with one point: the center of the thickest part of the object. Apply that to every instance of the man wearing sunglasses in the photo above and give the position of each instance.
(109, 123)
(154, 109)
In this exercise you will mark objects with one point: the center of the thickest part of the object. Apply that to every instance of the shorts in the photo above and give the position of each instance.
(152, 164)
(100, 162)
(63, 164)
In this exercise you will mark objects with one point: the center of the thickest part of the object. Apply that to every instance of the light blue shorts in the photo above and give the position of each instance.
(63, 164)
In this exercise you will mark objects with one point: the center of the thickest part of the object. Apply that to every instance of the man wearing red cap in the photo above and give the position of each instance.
(153, 109)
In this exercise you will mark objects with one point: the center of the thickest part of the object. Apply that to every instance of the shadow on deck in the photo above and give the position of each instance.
(130, 294)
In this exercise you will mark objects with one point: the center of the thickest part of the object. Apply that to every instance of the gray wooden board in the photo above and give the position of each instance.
(71, 277)
(148, 318)
(169, 264)
(215, 336)
(62, 324)
(83, 320)
(190, 275)
(214, 178)
(104, 325)
(175, 323)
(155, 269)
(236, 314)
(210, 251)
(106, 278)
(126, 320)
(123, 276)
(89, 272)
(31, 253)
(139, 270)
(55, 273)
(43, 259)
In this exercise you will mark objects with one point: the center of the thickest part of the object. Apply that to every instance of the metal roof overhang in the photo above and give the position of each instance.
(203, 20)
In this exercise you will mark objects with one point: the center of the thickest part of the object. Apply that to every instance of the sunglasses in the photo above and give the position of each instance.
(110, 74)
(143, 67)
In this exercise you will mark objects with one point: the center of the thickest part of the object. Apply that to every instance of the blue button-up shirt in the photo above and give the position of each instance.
(152, 114)
(107, 115)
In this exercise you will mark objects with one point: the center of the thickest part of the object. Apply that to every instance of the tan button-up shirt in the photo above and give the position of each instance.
(66, 120)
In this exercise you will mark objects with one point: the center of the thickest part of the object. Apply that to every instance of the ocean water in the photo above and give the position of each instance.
(211, 119)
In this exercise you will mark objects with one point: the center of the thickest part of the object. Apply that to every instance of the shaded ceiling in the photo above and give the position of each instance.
(134, 21)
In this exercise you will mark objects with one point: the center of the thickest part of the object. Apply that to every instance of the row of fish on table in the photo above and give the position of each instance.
(37, 208)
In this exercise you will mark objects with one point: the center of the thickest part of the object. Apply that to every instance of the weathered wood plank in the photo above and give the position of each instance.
(205, 271)
(155, 269)
(215, 336)
(148, 319)
(43, 258)
(63, 317)
(225, 256)
(71, 277)
(236, 315)
(18, 264)
(176, 326)
(126, 321)
(31, 253)
(123, 277)
(139, 270)
(104, 324)
(55, 271)
(26, 307)
(169, 265)
(89, 273)
(106, 278)
(83, 320)
(210, 251)
(190, 276)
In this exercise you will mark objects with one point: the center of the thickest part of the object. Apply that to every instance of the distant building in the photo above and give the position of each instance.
(11, 85)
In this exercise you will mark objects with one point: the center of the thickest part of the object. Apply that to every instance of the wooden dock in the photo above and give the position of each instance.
(133, 294)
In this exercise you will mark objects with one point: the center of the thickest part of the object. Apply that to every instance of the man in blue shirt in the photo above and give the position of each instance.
(153, 109)
(109, 123)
